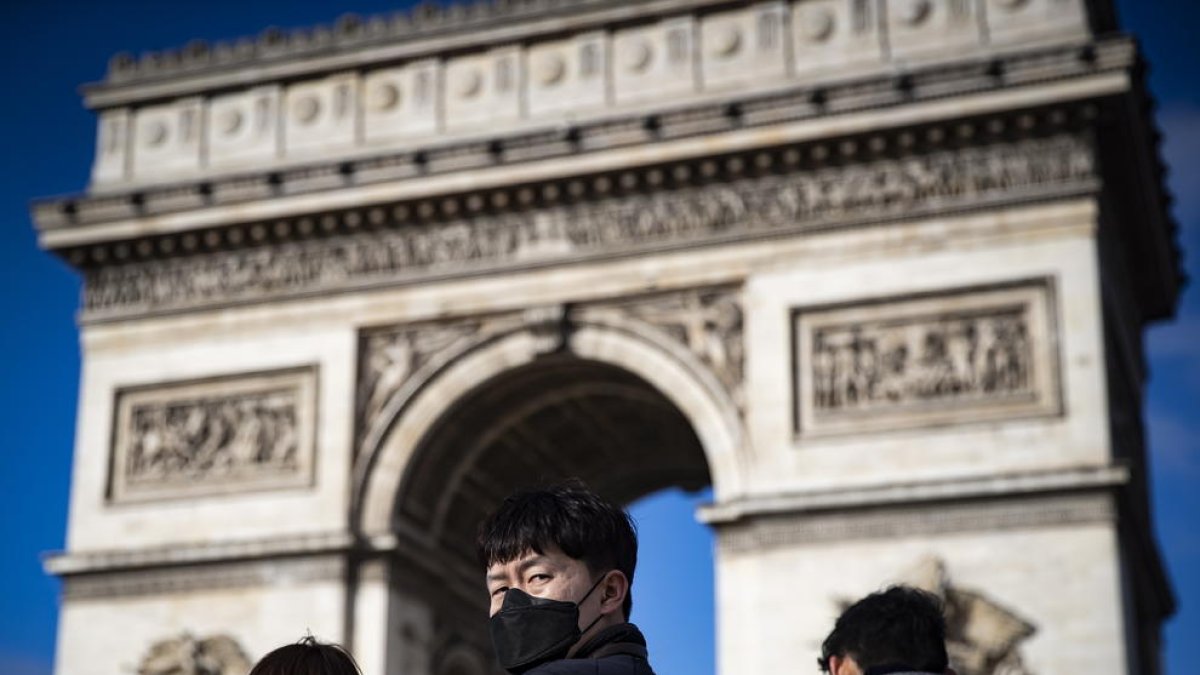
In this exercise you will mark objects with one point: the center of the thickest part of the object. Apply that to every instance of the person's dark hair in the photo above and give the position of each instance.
(898, 627)
(307, 657)
(568, 516)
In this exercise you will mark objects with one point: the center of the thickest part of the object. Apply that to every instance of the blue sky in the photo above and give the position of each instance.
(49, 48)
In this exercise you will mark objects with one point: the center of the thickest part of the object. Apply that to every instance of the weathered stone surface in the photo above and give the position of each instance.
(883, 296)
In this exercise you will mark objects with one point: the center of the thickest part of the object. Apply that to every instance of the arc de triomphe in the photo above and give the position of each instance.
(877, 272)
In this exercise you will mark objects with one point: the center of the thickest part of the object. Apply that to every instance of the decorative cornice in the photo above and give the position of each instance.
(207, 577)
(943, 518)
(352, 33)
(1113, 55)
(85, 562)
(847, 499)
(430, 29)
(771, 193)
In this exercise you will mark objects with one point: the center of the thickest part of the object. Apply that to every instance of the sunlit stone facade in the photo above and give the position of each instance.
(877, 272)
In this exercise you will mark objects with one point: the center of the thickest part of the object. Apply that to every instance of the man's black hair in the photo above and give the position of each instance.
(307, 657)
(899, 628)
(568, 516)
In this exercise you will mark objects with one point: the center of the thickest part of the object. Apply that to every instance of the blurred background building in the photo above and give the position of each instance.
(875, 272)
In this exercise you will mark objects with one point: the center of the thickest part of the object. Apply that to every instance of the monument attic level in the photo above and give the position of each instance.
(876, 271)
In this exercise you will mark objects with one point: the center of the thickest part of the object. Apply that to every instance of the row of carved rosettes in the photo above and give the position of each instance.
(590, 136)
(528, 77)
(350, 30)
(707, 322)
(764, 194)
(819, 22)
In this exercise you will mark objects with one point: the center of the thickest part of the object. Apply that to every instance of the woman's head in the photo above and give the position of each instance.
(307, 657)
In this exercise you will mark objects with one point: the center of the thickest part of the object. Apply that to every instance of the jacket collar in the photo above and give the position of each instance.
(606, 640)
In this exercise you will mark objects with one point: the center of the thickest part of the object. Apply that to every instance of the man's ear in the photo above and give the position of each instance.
(843, 665)
(613, 591)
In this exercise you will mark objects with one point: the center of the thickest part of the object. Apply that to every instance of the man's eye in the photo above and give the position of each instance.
(499, 591)
(541, 578)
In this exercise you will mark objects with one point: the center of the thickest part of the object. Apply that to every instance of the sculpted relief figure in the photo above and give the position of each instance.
(188, 655)
(709, 323)
(196, 439)
(934, 359)
(391, 356)
(389, 362)
(899, 630)
(983, 637)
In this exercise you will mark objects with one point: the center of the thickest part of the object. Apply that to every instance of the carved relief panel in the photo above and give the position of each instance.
(983, 635)
(187, 654)
(941, 359)
(708, 322)
(705, 321)
(755, 206)
(391, 356)
(214, 436)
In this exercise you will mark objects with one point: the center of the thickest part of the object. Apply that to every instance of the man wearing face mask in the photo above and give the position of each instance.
(560, 567)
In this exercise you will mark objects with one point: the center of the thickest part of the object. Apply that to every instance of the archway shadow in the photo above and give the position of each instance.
(557, 417)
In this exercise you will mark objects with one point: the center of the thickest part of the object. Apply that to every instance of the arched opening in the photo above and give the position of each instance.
(554, 417)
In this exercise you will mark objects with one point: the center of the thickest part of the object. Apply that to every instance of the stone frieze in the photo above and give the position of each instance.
(630, 222)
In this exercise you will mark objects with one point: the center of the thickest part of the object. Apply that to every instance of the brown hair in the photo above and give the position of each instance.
(307, 657)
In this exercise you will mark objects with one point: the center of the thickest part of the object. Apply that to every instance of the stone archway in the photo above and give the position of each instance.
(558, 417)
(632, 398)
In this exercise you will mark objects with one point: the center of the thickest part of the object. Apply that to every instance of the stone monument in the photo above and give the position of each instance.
(875, 271)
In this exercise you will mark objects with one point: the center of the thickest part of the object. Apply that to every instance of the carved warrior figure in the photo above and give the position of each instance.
(187, 655)
(707, 322)
(982, 636)
(182, 440)
(960, 356)
(392, 356)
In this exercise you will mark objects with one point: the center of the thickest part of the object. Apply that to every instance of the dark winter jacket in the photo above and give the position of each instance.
(897, 670)
(616, 650)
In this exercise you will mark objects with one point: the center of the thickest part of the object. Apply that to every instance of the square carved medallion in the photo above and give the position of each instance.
(962, 356)
(216, 436)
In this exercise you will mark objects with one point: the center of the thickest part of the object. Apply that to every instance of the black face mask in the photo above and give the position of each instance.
(529, 631)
